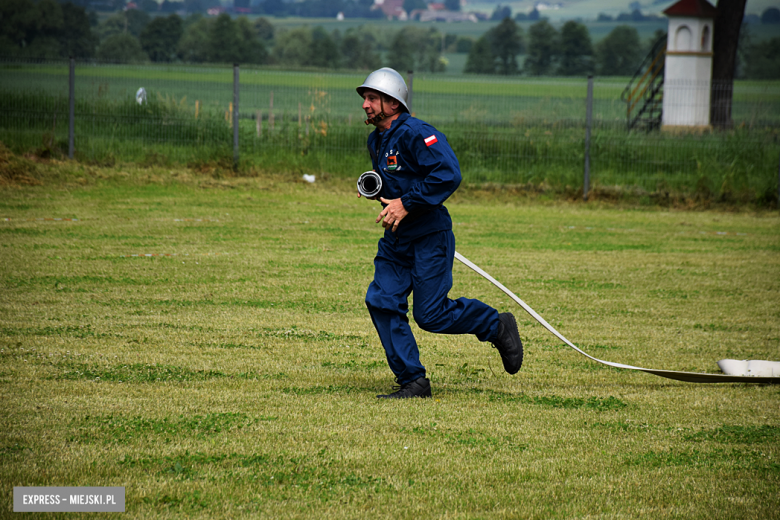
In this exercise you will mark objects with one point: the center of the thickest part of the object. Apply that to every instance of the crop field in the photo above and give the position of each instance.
(203, 342)
(333, 93)
(328, 94)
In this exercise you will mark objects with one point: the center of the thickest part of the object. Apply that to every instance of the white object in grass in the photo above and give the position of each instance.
(309, 178)
(750, 368)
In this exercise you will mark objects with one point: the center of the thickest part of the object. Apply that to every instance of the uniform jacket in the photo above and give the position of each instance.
(418, 166)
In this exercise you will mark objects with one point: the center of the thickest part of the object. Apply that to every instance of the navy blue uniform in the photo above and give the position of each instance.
(418, 166)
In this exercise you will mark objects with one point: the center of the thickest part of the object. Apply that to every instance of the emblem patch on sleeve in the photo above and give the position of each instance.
(431, 140)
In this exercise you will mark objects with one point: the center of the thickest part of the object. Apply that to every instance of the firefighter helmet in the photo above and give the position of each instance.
(389, 82)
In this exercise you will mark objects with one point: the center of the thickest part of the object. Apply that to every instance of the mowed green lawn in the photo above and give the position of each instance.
(237, 376)
(184, 91)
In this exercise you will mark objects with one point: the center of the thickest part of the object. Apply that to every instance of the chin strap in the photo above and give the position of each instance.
(377, 118)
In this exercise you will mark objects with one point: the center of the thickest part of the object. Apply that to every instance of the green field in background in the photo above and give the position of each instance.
(36, 77)
(436, 98)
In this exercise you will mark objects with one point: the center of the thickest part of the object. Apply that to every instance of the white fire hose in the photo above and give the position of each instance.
(370, 184)
(691, 377)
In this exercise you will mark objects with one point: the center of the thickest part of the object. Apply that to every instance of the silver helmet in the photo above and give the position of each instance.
(387, 81)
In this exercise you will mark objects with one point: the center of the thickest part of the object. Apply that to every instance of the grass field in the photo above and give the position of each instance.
(209, 83)
(203, 342)
(515, 101)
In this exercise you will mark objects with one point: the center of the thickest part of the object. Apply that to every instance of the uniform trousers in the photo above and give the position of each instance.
(422, 267)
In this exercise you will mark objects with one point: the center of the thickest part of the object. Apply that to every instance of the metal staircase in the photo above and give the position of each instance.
(644, 93)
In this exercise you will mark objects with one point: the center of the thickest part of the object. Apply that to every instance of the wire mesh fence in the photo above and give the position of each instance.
(509, 130)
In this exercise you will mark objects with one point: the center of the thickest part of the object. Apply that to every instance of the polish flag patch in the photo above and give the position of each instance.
(430, 140)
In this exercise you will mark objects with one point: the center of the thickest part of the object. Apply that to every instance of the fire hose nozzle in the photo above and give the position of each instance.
(369, 184)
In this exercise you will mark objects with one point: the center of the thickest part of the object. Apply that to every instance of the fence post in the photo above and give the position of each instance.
(409, 96)
(235, 116)
(271, 112)
(71, 105)
(588, 119)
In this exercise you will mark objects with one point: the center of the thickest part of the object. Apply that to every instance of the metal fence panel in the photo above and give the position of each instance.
(36, 117)
(514, 130)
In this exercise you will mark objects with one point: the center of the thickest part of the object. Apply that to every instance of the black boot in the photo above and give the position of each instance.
(418, 388)
(508, 343)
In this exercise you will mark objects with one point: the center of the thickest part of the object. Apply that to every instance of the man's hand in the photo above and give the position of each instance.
(393, 214)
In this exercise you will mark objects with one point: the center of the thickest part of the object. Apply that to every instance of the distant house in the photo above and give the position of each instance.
(437, 12)
(130, 5)
(215, 11)
(446, 16)
(392, 9)
(546, 6)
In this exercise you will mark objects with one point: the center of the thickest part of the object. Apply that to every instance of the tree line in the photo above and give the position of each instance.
(568, 52)
(46, 30)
